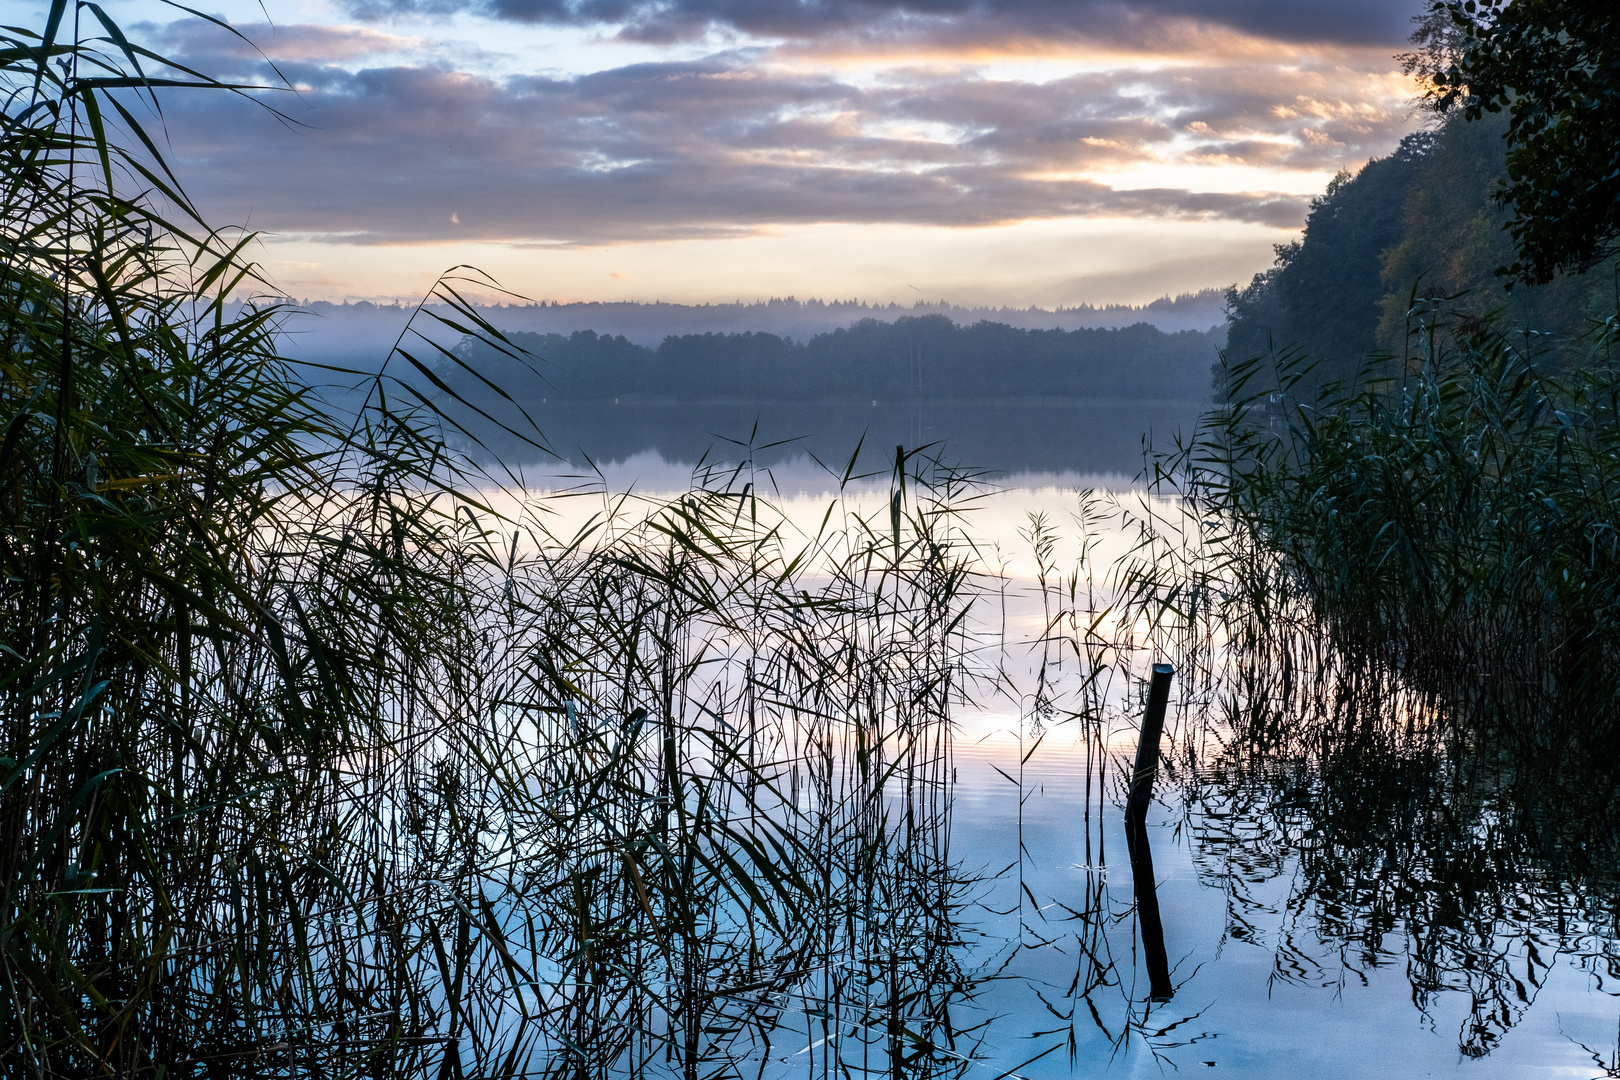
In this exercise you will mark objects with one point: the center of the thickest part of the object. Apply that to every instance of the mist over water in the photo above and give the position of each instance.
(360, 334)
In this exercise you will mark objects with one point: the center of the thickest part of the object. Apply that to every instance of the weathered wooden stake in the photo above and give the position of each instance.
(1136, 804)
(1147, 748)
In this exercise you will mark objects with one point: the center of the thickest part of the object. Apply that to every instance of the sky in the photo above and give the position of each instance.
(1023, 152)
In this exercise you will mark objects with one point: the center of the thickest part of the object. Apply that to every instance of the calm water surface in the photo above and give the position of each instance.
(1290, 943)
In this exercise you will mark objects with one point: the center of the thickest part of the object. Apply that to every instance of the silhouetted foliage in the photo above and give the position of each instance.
(1554, 65)
(1417, 227)
(1457, 522)
(1323, 296)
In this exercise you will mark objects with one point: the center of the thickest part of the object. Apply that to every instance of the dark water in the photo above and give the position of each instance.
(1007, 437)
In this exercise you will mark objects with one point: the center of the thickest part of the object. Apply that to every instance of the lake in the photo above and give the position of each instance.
(1326, 910)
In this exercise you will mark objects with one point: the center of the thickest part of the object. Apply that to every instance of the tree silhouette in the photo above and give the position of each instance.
(1555, 66)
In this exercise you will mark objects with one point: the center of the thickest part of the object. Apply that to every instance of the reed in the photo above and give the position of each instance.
(317, 761)
(1453, 514)
(327, 753)
(1394, 605)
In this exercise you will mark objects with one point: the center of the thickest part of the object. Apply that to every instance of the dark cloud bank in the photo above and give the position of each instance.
(1368, 22)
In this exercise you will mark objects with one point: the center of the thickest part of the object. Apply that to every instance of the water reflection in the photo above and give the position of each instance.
(1323, 860)
(1456, 893)
(1460, 863)
(1146, 888)
(1052, 436)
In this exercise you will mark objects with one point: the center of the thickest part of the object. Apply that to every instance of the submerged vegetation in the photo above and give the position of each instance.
(1356, 822)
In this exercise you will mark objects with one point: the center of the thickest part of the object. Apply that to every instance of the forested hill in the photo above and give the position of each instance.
(1419, 223)
(914, 357)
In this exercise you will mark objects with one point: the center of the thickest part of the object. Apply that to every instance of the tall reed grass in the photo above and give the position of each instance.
(1392, 609)
(1455, 514)
(316, 763)
(323, 753)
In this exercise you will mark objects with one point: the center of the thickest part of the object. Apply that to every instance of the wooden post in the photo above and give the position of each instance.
(1136, 805)
(1147, 748)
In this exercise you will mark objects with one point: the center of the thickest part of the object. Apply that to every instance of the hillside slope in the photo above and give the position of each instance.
(1420, 223)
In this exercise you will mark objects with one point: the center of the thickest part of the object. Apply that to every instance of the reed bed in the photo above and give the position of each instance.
(323, 754)
(339, 772)
(1454, 514)
(1392, 609)
(317, 764)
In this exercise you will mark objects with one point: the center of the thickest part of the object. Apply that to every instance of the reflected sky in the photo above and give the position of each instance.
(1326, 914)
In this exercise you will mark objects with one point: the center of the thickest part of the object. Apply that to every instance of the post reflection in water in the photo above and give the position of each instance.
(1147, 910)
(1144, 884)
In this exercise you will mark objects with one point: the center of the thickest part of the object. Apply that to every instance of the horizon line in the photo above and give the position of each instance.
(785, 301)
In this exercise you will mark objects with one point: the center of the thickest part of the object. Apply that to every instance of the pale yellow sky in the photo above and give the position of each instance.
(1041, 263)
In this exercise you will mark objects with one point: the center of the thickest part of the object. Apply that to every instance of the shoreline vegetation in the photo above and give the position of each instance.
(1456, 521)
(1420, 427)
(316, 762)
(1003, 398)
(1407, 234)
(317, 765)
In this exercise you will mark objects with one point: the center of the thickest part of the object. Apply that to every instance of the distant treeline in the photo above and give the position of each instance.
(922, 357)
(359, 334)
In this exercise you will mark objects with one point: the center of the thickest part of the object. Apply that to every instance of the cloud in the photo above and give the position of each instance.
(1364, 23)
(737, 142)
(203, 43)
